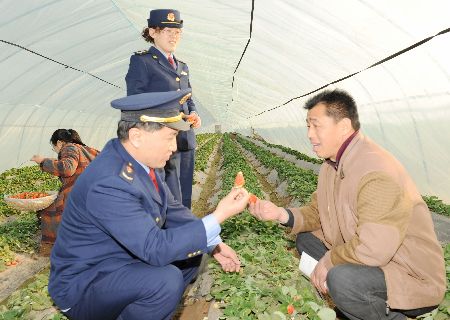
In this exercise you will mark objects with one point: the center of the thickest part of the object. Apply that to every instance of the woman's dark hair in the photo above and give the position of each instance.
(66, 135)
(147, 36)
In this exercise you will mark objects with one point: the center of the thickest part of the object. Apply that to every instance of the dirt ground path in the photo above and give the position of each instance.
(208, 180)
(194, 305)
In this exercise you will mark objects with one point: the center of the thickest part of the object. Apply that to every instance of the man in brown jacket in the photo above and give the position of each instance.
(366, 224)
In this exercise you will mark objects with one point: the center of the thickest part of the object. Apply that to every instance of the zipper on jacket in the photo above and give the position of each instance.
(387, 308)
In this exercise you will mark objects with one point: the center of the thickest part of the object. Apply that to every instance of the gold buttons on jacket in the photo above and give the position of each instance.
(195, 253)
(177, 79)
(157, 219)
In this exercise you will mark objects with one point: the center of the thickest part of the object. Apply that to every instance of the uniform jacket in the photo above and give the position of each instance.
(150, 71)
(72, 160)
(114, 217)
(369, 212)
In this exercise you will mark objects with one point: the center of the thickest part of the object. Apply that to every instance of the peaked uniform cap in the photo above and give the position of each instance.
(159, 107)
(165, 18)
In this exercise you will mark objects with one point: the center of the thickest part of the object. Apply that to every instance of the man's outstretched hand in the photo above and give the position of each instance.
(227, 258)
(267, 211)
(235, 202)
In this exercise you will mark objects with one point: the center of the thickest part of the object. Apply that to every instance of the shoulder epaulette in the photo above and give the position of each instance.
(127, 172)
(141, 52)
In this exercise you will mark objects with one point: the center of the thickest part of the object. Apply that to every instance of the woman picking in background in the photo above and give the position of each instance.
(157, 70)
(73, 157)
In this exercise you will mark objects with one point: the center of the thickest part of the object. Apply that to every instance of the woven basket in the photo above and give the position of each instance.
(31, 204)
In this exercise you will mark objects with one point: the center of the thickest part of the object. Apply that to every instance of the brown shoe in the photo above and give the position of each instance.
(45, 249)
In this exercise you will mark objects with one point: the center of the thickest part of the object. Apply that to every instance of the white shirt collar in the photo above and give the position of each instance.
(163, 53)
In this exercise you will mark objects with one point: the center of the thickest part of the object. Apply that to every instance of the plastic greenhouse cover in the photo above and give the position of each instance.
(252, 66)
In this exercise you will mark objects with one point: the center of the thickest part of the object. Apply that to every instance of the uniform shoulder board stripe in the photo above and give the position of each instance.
(141, 52)
(127, 172)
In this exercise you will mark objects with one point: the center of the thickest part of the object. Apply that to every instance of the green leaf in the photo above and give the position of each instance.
(314, 306)
(326, 314)
(278, 315)
(285, 290)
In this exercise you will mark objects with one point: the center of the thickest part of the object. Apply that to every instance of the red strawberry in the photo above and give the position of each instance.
(290, 309)
(239, 181)
(252, 198)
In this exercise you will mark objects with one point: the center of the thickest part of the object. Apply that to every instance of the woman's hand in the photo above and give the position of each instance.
(197, 121)
(194, 119)
(37, 158)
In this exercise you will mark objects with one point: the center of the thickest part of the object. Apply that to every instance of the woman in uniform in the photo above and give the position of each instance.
(158, 70)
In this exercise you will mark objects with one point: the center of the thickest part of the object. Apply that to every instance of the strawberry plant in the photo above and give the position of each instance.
(204, 137)
(33, 298)
(301, 182)
(19, 235)
(204, 151)
(297, 154)
(436, 205)
(444, 307)
(6, 254)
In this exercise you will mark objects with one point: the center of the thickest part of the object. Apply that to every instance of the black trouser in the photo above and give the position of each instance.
(358, 291)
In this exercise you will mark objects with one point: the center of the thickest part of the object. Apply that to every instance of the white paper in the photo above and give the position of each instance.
(307, 264)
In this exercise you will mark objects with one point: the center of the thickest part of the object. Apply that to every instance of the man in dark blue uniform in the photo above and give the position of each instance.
(158, 70)
(125, 248)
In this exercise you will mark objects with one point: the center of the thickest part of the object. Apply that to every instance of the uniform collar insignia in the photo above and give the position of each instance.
(127, 172)
(141, 52)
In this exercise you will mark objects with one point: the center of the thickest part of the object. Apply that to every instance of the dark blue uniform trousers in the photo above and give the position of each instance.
(179, 172)
(136, 291)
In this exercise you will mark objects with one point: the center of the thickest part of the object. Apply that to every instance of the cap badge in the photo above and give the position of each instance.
(171, 16)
